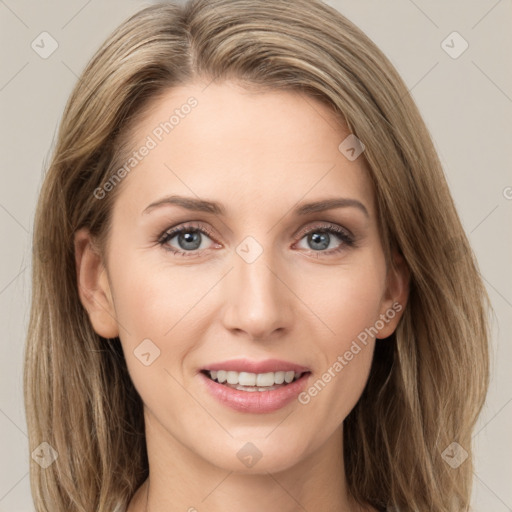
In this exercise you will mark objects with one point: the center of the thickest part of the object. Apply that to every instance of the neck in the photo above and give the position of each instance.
(182, 480)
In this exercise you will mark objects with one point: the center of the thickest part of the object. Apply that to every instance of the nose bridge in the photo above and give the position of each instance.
(258, 300)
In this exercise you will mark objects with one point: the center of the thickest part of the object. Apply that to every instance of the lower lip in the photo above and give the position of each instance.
(255, 401)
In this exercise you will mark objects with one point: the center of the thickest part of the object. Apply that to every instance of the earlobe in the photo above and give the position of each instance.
(397, 293)
(93, 285)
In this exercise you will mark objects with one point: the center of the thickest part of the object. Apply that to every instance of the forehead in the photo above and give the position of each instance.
(224, 142)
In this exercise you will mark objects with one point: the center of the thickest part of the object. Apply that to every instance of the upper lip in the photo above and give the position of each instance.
(250, 366)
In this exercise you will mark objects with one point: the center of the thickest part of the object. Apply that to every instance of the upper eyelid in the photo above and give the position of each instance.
(325, 225)
(186, 226)
(174, 231)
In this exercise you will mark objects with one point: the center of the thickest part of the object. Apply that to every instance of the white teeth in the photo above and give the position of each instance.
(279, 377)
(252, 379)
(248, 379)
(264, 379)
(232, 378)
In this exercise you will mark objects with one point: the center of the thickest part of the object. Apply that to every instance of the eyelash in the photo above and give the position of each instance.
(347, 239)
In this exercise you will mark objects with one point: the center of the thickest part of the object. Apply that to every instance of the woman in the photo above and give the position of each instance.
(251, 286)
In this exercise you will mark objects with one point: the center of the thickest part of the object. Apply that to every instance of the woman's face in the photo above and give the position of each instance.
(258, 277)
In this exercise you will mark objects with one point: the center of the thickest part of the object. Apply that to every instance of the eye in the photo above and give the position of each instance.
(188, 239)
(321, 237)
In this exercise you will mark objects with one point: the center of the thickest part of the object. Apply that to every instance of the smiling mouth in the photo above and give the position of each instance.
(262, 381)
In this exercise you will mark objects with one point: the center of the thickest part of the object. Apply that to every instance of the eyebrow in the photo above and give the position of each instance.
(201, 205)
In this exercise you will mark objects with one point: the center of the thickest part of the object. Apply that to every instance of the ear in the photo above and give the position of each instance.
(94, 286)
(395, 297)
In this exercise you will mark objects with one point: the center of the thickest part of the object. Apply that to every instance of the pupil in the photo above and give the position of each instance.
(191, 239)
(320, 238)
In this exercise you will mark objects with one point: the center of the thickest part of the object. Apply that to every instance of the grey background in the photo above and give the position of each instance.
(466, 103)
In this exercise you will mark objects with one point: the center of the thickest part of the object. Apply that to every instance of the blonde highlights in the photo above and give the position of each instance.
(428, 380)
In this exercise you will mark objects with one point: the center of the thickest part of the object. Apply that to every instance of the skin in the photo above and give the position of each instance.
(259, 154)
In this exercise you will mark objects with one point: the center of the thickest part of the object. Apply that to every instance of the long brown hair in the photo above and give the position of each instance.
(428, 380)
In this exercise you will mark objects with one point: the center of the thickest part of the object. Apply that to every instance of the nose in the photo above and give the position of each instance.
(258, 301)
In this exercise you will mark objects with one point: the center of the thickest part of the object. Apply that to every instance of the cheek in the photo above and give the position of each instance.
(347, 299)
(348, 304)
(156, 318)
(152, 297)
(158, 300)
(158, 306)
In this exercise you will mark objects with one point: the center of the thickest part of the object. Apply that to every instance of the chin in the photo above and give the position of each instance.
(257, 456)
